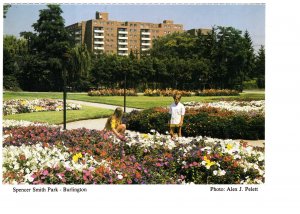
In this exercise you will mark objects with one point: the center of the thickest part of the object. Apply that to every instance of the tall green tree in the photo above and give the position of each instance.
(78, 66)
(259, 70)
(249, 56)
(50, 42)
(14, 51)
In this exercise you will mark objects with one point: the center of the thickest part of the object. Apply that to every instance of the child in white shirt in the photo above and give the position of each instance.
(177, 112)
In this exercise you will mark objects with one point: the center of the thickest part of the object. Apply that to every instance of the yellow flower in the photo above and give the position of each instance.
(229, 146)
(76, 157)
(208, 162)
(23, 102)
(145, 136)
(38, 108)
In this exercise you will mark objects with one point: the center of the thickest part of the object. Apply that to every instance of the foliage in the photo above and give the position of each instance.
(205, 121)
(216, 92)
(250, 84)
(112, 92)
(166, 92)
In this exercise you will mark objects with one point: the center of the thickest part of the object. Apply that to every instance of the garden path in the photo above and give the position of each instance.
(99, 124)
(93, 123)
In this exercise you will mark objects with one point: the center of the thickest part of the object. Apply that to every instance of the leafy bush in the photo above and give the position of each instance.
(210, 121)
(250, 84)
(11, 83)
(217, 92)
(112, 92)
(168, 92)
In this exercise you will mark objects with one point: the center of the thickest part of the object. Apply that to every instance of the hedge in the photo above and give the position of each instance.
(213, 123)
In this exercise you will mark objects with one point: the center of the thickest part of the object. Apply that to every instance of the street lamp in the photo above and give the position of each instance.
(65, 98)
(125, 92)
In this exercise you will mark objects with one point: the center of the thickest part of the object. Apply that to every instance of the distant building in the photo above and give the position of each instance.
(198, 31)
(102, 34)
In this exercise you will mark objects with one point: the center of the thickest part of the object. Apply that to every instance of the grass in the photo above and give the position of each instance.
(131, 101)
(87, 112)
(56, 117)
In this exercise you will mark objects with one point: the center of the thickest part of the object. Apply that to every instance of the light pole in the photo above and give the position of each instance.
(65, 98)
(125, 92)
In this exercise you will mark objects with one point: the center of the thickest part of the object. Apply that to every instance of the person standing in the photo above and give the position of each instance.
(177, 111)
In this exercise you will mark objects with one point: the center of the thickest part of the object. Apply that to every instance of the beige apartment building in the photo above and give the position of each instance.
(115, 37)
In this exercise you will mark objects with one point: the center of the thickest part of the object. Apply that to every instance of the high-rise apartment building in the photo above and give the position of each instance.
(102, 34)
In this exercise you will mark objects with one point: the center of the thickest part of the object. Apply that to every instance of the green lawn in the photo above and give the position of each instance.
(54, 117)
(131, 101)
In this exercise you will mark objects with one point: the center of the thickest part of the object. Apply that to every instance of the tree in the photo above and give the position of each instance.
(14, 50)
(5, 9)
(249, 56)
(50, 42)
(79, 65)
(259, 70)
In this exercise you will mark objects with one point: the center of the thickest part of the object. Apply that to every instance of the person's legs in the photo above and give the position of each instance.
(121, 129)
(171, 132)
(179, 131)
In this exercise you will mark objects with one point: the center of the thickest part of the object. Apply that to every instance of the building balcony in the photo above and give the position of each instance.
(122, 37)
(123, 49)
(99, 37)
(123, 54)
(145, 33)
(99, 31)
(146, 44)
(145, 49)
(123, 43)
(77, 32)
(145, 38)
(99, 42)
(99, 48)
(123, 32)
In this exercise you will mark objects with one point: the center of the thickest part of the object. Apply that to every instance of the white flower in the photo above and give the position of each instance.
(120, 177)
(215, 172)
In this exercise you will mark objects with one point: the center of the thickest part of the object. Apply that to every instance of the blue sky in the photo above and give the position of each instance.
(20, 17)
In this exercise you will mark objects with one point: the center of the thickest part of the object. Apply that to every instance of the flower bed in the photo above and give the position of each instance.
(167, 92)
(112, 92)
(217, 92)
(238, 106)
(27, 106)
(220, 120)
(84, 156)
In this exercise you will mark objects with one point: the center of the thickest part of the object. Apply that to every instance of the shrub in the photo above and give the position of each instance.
(250, 84)
(210, 121)
(217, 92)
(168, 92)
(112, 92)
(11, 83)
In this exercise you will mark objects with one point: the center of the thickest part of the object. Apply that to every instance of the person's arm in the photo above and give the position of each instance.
(117, 133)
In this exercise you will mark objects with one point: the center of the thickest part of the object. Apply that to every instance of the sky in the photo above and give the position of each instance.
(249, 17)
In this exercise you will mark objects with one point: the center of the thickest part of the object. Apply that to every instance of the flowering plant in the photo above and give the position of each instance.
(83, 156)
(26, 106)
(112, 92)
(217, 92)
(167, 92)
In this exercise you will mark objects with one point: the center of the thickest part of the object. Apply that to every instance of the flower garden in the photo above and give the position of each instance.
(17, 106)
(224, 119)
(43, 154)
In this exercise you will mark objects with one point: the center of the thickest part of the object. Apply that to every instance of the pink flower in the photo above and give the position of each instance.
(45, 172)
